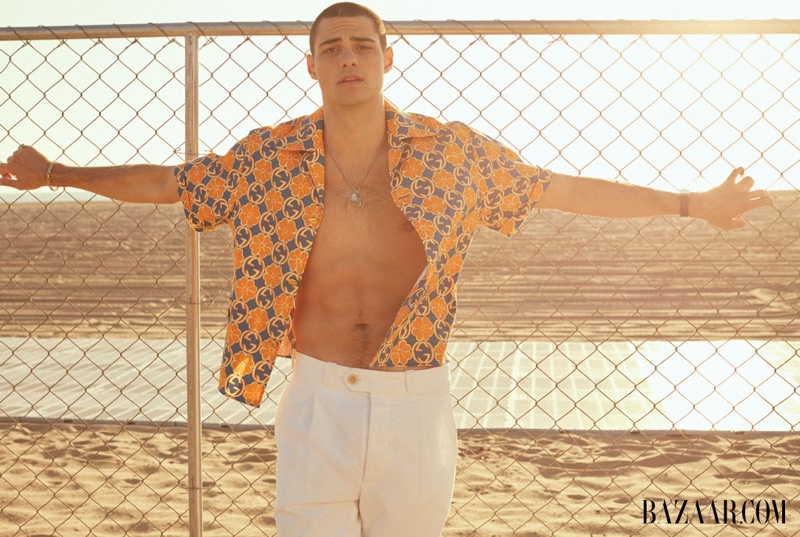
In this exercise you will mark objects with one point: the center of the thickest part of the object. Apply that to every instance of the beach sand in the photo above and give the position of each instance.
(104, 270)
(106, 480)
(101, 269)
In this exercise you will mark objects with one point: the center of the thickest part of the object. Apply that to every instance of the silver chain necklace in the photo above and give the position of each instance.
(355, 195)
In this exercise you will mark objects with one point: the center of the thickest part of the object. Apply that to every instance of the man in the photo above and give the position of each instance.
(365, 430)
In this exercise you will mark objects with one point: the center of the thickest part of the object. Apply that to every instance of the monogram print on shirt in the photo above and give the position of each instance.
(447, 179)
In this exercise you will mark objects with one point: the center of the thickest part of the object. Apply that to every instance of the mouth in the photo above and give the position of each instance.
(350, 79)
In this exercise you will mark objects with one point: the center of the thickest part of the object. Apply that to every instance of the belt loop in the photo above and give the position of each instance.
(330, 374)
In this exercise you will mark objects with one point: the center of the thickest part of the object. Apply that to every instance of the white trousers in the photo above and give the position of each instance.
(364, 453)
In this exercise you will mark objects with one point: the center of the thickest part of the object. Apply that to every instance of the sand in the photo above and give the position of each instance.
(105, 480)
(103, 270)
(108, 270)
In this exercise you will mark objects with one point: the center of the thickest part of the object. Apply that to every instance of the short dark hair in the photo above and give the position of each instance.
(347, 9)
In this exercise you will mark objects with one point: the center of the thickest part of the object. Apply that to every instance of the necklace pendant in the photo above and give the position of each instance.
(355, 198)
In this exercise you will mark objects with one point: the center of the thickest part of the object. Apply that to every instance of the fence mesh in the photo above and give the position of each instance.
(597, 363)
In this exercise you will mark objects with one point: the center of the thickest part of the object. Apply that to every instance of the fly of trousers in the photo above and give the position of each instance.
(364, 453)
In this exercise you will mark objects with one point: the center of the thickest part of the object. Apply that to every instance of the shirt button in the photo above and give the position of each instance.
(352, 378)
(291, 280)
(313, 219)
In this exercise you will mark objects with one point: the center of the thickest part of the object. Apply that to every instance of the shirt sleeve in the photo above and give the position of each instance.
(207, 186)
(509, 187)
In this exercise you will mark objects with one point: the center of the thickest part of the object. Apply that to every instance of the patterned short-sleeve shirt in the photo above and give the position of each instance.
(447, 179)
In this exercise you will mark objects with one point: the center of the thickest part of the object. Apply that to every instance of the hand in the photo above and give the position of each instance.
(724, 205)
(25, 169)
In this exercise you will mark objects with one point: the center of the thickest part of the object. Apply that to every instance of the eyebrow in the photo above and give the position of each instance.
(339, 40)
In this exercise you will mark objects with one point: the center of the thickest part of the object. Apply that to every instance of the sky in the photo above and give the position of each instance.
(100, 12)
(781, 75)
(87, 12)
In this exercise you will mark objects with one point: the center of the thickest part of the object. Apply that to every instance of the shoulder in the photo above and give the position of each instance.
(436, 126)
(421, 121)
(299, 134)
(473, 142)
(444, 133)
(463, 134)
(277, 132)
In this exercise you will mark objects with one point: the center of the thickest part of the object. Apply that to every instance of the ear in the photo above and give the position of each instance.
(310, 65)
(388, 59)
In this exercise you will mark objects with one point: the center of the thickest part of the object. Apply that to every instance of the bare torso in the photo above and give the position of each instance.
(364, 262)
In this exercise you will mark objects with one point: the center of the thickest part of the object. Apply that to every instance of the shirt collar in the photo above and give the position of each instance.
(306, 133)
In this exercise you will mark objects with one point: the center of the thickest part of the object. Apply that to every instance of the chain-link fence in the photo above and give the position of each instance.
(598, 364)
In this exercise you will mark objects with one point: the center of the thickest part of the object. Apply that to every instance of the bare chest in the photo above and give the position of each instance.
(364, 262)
(364, 220)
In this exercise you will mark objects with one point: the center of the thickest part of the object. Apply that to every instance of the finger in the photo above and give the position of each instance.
(745, 184)
(6, 180)
(734, 174)
(759, 194)
(6, 175)
(757, 202)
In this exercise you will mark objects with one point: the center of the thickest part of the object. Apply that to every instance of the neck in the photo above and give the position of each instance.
(355, 126)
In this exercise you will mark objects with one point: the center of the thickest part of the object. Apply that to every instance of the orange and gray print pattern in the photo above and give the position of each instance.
(446, 178)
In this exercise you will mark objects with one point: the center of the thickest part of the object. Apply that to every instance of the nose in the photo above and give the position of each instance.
(348, 58)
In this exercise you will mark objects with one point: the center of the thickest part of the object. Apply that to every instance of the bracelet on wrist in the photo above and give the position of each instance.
(49, 179)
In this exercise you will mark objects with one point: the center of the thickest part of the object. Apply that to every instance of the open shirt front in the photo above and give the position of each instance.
(447, 179)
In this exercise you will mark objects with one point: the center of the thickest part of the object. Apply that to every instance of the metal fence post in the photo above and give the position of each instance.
(578, 336)
(193, 307)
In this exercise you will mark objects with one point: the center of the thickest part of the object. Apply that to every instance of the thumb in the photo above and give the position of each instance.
(737, 222)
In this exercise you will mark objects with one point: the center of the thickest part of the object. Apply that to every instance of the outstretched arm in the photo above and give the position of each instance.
(722, 206)
(27, 169)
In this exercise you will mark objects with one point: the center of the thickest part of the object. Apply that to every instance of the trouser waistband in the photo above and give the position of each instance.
(412, 381)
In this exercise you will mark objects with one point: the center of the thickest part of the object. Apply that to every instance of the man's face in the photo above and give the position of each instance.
(347, 60)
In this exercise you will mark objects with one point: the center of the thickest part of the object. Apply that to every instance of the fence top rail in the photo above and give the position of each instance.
(449, 27)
